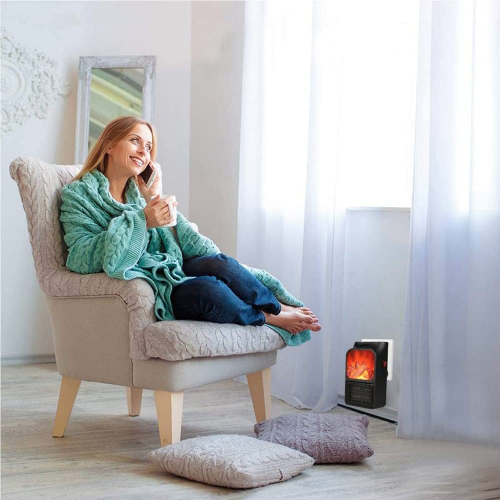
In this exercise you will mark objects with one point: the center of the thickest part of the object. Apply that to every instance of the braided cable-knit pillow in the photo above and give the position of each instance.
(327, 438)
(231, 460)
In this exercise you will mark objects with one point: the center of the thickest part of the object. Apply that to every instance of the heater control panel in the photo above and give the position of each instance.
(390, 354)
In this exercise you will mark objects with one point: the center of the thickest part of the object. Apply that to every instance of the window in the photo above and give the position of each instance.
(377, 103)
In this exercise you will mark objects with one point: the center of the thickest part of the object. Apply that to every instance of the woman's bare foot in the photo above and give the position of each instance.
(294, 319)
(305, 310)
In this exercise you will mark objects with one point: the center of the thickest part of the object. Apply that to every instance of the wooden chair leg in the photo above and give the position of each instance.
(134, 400)
(169, 413)
(67, 396)
(259, 384)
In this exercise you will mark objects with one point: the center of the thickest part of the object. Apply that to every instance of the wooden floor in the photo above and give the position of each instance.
(104, 452)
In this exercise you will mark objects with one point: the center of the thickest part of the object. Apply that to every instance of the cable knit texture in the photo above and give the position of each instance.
(231, 460)
(103, 234)
(327, 438)
(175, 340)
(40, 186)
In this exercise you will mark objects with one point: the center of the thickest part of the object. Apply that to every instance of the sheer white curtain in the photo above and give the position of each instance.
(327, 123)
(451, 349)
(291, 210)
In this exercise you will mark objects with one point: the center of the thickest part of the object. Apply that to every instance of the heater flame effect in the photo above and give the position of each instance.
(360, 364)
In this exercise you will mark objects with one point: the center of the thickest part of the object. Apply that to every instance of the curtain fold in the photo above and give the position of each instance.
(451, 346)
(291, 212)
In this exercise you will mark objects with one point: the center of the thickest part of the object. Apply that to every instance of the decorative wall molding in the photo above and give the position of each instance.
(30, 83)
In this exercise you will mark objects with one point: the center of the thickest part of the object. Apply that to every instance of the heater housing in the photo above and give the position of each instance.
(366, 374)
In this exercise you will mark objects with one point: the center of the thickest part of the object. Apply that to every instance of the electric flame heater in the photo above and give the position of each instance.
(366, 374)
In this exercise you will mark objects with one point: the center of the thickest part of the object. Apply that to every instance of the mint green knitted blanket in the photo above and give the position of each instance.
(104, 235)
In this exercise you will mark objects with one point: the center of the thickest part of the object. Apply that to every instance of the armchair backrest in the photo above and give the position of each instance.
(40, 187)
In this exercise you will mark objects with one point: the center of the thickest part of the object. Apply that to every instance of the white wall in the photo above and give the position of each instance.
(64, 31)
(217, 62)
(375, 282)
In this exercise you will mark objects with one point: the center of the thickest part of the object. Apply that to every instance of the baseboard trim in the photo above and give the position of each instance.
(386, 413)
(27, 360)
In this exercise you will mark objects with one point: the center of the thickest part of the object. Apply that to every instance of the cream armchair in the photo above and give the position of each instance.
(105, 330)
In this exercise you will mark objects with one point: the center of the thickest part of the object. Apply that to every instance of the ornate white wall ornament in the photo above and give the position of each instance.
(29, 83)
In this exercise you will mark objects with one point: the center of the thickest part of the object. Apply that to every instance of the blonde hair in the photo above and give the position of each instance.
(113, 133)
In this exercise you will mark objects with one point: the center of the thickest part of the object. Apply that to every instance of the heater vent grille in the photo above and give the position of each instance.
(359, 394)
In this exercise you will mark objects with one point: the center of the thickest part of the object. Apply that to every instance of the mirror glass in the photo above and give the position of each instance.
(109, 87)
(114, 92)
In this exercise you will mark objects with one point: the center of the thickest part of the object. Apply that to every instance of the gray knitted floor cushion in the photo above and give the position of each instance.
(231, 460)
(327, 438)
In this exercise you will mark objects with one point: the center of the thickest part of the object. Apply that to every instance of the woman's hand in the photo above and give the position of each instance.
(157, 212)
(155, 189)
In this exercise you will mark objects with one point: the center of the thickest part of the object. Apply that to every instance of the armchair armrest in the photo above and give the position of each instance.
(137, 295)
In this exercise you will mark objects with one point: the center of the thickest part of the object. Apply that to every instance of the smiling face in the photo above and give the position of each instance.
(132, 154)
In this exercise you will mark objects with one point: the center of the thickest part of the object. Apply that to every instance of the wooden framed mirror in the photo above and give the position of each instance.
(109, 87)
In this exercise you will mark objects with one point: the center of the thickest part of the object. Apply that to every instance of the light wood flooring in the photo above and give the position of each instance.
(104, 452)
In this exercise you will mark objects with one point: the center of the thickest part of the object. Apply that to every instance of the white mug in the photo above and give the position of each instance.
(173, 209)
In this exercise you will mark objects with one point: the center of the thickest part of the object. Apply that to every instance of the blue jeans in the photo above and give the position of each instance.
(222, 291)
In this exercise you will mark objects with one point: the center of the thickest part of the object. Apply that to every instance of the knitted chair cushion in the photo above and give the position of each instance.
(40, 185)
(327, 438)
(231, 460)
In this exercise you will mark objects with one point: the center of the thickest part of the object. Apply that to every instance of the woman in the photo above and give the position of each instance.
(112, 223)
